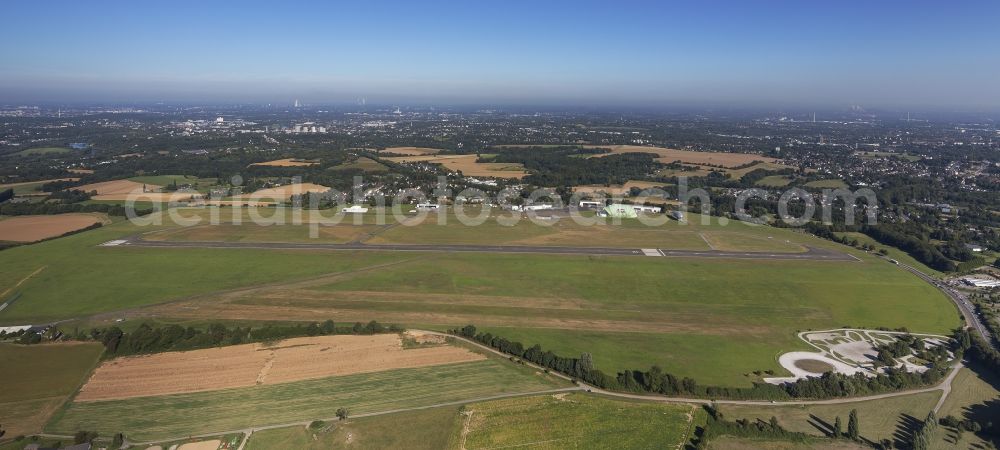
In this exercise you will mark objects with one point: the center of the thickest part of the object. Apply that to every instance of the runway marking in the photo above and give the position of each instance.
(651, 252)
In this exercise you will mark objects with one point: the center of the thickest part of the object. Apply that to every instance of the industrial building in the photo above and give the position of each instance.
(620, 211)
(981, 282)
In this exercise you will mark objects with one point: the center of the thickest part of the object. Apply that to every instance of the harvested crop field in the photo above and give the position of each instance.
(287, 162)
(119, 190)
(616, 189)
(36, 228)
(669, 155)
(468, 165)
(256, 364)
(118, 187)
(286, 191)
(202, 445)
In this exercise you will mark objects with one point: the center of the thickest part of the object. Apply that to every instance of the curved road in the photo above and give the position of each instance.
(972, 319)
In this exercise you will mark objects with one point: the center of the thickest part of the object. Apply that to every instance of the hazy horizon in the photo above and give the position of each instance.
(788, 54)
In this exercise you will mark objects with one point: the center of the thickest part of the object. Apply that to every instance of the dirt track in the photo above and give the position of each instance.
(253, 364)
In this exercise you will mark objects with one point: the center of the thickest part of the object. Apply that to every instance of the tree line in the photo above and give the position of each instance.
(48, 208)
(150, 339)
(717, 426)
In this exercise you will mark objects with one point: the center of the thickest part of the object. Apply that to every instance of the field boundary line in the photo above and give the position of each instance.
(702, 236)
(19, 283)
(13, 298)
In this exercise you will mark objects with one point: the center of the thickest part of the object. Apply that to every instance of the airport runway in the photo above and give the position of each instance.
(811, 254)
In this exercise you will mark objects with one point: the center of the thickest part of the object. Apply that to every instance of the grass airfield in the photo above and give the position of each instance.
(715, 320)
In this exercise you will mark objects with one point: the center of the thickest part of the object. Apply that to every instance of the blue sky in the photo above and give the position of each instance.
(877, 53)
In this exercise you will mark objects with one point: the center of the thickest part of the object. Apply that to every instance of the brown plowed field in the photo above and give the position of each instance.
(36, 228)
(119, 190)
(251, 364)
(284, 192)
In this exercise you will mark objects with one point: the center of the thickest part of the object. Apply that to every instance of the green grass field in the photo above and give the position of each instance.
(172, 416)
(629, 233)
(27, 188)
(681, 314)
(731, 443)
(429, 429)
(362, 163)
(775, 181)
(42, 442)
(37, 379)
(43, 151)
(576, 421)
(827, 184)
(974, 396)
(878, 419)
(81, 278)
(253, 233)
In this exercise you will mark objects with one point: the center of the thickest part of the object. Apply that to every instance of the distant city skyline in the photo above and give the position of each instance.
(893, 54)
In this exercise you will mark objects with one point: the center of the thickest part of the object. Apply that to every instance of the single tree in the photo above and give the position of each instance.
(837, 428)
(586, 363)
(83, 437)
(118, 441)
(852, 425)
(342, 413)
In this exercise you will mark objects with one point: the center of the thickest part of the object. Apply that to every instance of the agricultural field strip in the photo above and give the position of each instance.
(811, 253)
(162, 417)
(248, 365)
(254, 429)
(944, 386)
(36, 228)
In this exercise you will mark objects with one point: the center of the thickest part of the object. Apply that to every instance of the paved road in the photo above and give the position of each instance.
(964, 306)
(812, 253)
